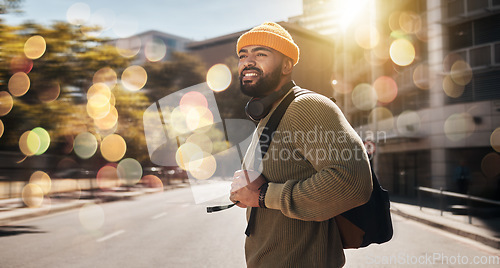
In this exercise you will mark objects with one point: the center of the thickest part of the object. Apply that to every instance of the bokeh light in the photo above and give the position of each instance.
(85, 145)
(461, 73)
(152, 181)
(49, 93)
(459, 126)
(219, 77)
(34, 47)
(29, 143)
(192, 113)
(202, 166)
(394, 20)
(1, 128)
(367, 36)
(98, 106)
(107, 177)
(198, 118)
(192, 99)
(20, 64)
(381, 118)
(41, 179)
(490, 165)
(494, 139)
(155, 50)
(44, 139)
(107, 76)
(6, 103)
(449, 60)
(78, 13)
(104, 18)
(19, 84)
(32, 195)
(408, 122)
(113, 147)
(421, 76)
(178, 120)
(187, 153)
(410, 22)
(364, 97)
(402, 52)
(451, 89)
(109, 121)
(399, 34)
(202, 141)
(91, 216)
(129, 171)
(128, 47)
(386, 89)
(99, 89)
(134, 78)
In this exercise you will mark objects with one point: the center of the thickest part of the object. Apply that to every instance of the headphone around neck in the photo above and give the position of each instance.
(257, 108)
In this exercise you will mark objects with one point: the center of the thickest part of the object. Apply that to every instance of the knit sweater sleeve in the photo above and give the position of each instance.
(342, 177)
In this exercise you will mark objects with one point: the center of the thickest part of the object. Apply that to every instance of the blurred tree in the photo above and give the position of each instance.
(59, 80)
(184, 70)
(9, 6)
(131, 107)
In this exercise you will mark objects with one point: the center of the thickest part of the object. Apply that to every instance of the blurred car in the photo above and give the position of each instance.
(166, 174)
(74, 173)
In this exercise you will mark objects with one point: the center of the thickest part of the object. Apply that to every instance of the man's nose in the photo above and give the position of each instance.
(249, 61)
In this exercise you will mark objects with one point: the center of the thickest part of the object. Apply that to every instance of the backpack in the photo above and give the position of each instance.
(359, 226)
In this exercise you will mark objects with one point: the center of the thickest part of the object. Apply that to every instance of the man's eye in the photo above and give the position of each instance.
(242, 56)
(261, 54)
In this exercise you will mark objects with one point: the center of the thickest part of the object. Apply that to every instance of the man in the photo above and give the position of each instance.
(315, 167)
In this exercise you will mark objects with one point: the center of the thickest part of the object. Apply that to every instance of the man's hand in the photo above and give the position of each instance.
(245, 188)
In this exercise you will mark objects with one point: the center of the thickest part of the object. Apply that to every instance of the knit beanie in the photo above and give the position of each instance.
(271, 35)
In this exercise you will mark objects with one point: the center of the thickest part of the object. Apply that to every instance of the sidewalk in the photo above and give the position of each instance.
(483, 230)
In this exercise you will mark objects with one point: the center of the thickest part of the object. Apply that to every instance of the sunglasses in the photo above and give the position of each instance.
(219, 208)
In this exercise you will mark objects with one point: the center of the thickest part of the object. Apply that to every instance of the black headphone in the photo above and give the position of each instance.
(257, 108)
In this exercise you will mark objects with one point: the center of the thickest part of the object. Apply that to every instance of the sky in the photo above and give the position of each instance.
(193, 19)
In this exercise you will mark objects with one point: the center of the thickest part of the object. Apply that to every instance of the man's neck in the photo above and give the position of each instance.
(282, 84)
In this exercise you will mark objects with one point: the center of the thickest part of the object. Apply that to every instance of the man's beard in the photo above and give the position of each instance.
(264, 85)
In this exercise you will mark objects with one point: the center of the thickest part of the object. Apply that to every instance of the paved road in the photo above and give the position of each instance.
(159, 230)
(169, 230)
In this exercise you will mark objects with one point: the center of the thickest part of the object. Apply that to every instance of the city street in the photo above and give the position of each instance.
(168, 230)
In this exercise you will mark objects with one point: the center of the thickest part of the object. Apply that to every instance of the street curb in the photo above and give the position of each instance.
(489, 241)
(17, 215)
(22, 215)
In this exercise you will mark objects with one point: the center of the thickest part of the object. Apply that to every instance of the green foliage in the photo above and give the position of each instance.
(182, 71)
(69, 63)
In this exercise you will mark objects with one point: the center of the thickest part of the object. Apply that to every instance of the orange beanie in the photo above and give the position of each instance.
(271, 35)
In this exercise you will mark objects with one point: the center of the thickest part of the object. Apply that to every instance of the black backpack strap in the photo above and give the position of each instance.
(271, 126)
(267, 135)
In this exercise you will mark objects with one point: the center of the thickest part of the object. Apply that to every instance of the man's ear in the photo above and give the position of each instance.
(287, 66)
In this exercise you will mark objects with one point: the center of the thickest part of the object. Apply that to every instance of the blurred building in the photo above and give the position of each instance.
(321, 16)
(313, 71)
(421, 79)
(153, 46)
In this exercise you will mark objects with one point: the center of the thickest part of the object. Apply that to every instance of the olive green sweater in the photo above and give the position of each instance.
(317, 168)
